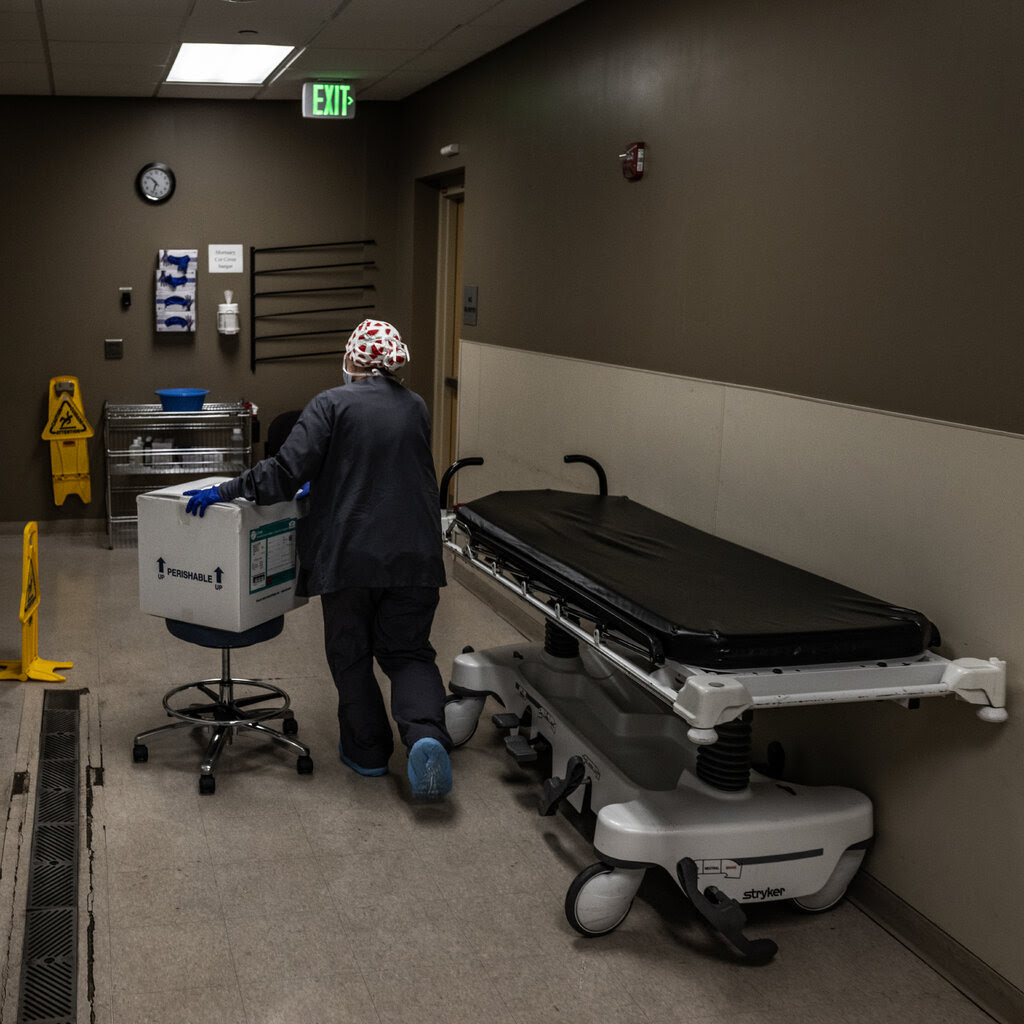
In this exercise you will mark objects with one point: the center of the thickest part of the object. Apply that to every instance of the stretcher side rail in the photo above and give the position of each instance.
(569, 604)
(567, 617)
(706, 699)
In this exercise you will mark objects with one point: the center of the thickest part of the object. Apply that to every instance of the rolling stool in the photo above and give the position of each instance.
(225, 711)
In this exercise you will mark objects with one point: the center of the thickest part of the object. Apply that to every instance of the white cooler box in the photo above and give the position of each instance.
(233, 569)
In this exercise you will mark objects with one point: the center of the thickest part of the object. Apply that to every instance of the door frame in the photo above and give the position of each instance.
(448, 306)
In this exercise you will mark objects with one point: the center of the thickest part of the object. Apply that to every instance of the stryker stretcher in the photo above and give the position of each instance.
(660, 641)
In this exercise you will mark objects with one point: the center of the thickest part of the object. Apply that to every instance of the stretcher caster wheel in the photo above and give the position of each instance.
(834, 889)
(461, 717)
(304, 765)
(289, 726)
(140, 753)
(207, 785)
(600, 897)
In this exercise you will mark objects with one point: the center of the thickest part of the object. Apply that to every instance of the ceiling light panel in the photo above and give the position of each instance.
(226, 63)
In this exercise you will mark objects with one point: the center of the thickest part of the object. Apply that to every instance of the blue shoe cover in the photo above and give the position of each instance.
(359, 768)
(430, 770)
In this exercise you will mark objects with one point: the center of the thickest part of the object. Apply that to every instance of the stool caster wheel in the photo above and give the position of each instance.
(304, 765)
(207, 784)
(140, 753)
(289, 727)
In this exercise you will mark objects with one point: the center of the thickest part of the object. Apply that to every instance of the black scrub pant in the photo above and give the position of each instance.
(392, 625)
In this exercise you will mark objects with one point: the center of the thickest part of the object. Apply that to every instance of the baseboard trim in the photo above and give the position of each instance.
(55, 526)
(958, 965)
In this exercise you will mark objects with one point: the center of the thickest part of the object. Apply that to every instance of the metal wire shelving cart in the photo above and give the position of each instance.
(147, 448)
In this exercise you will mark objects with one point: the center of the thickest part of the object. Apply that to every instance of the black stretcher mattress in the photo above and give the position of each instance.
(708, 602)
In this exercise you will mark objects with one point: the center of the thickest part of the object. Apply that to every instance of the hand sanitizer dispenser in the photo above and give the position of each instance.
(227, 315)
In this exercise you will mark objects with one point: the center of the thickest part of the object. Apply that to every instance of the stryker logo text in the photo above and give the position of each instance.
(763, 894)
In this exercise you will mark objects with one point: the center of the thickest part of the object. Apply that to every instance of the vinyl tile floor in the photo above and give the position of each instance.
(333, 899)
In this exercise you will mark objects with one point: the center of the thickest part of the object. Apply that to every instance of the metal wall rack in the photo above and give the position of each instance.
(283, 317)
(147, 448)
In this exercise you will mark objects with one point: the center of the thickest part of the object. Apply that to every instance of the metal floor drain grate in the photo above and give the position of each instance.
(49, 968)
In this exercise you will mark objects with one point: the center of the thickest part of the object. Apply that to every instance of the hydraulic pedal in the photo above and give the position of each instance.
(520, 748)
(555, 790)
(516, 743)
(724, 914)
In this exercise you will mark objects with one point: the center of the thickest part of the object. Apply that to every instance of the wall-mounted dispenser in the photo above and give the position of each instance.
(633, 161)
(227, 315)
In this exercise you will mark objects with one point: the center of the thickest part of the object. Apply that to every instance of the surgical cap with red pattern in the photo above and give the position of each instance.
(375, 343)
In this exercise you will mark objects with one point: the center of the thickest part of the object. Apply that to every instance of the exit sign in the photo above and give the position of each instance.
(328, 99)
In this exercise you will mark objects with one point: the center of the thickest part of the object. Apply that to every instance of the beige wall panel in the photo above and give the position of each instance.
(929, 515)
(657, 437)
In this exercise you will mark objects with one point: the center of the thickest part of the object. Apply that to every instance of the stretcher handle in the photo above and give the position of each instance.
(471, 460)
(602, 480)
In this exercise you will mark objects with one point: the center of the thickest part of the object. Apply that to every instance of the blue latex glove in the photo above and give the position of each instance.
(199, 501)
(303, 491)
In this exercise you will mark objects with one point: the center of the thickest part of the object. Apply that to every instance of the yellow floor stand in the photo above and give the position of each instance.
(67, 430)
(31, 665)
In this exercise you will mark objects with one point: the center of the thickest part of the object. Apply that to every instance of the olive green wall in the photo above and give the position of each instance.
(832, 203)
(74, 232)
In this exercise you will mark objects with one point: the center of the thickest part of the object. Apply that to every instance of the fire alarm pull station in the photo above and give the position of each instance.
(633, 161)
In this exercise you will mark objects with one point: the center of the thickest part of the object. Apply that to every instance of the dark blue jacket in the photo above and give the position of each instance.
(374, 513)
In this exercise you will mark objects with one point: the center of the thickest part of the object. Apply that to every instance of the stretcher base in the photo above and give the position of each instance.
(623, 755)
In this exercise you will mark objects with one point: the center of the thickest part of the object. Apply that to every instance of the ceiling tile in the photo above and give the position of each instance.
(524, 14)
(21, 51)
(30, 79)
(397, 86)
(388, 48)
(109, 53)
(214, 21)
(88, 9)
(119, 29)
(103, 79)
(19, 25)
(319, 62)
(209, 92)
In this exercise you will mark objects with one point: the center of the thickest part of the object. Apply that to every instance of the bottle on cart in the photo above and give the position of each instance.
(236, 446)
(135, 450)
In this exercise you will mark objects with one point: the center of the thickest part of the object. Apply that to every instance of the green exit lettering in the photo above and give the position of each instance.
(328, 99)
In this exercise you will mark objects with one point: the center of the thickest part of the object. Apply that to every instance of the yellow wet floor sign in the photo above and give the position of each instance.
(31, 665)
(67, 430)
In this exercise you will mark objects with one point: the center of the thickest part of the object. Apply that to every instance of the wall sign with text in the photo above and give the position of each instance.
(324, 100)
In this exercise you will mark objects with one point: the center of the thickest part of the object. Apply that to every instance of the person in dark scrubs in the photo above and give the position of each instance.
(370, 547)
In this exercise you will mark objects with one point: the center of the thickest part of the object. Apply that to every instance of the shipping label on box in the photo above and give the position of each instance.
(232, 569)
(272, 559)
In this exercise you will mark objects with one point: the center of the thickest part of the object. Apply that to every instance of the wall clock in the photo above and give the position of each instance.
(155, 183)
